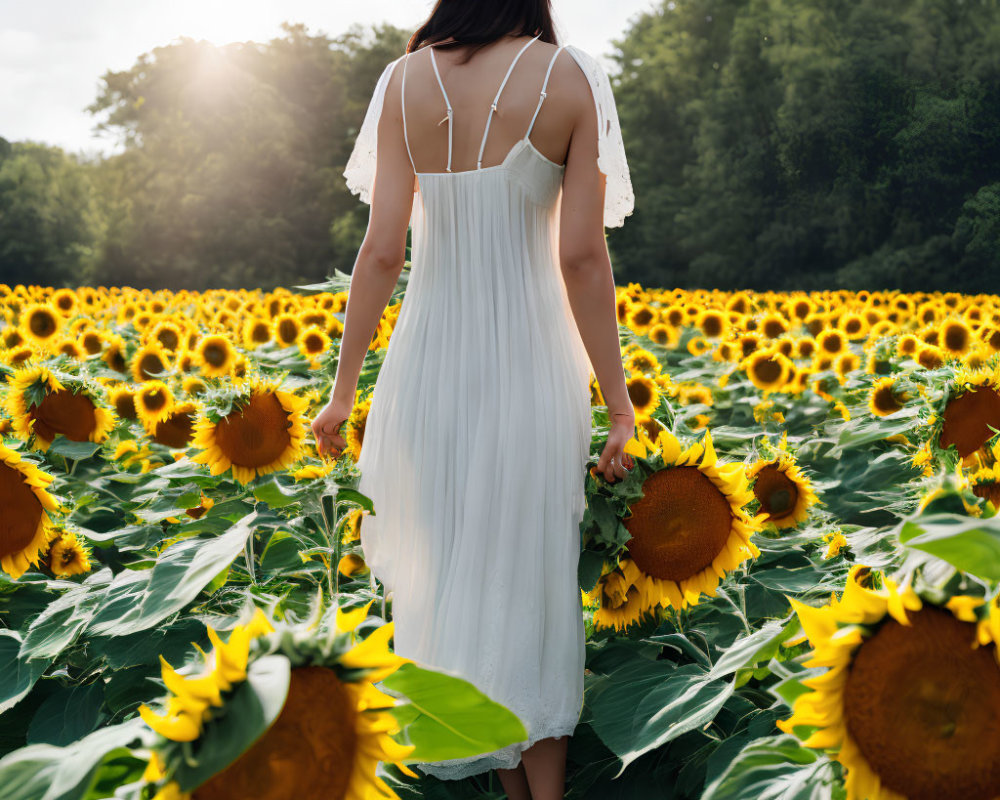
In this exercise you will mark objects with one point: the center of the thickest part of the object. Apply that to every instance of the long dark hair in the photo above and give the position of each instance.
(480, 22)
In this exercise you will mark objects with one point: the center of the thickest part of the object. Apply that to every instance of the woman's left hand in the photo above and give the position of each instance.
(326, 427)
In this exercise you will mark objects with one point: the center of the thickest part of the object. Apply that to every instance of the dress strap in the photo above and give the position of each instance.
(493, 105)
(447, 103)
(541, 96)
(402, 101)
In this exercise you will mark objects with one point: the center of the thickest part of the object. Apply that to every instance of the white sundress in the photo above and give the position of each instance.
(479, 430)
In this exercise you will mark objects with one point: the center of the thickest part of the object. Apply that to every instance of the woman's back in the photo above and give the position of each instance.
(535, 94)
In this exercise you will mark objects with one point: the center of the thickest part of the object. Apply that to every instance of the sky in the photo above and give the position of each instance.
(54, 52)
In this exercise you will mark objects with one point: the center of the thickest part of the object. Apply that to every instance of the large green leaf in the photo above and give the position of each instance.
(139, 600)
(249, 712)
(645, 704)
(17, 673)
(447, 717)
(971, 544)
(774, 768)
(69, 714)
(58, 625)
(48, 772)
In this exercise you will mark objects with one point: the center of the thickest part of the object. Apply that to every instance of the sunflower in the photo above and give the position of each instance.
(215, 355)
(286, 329)
(768, 369)
(930, 357)
(713, 323)
(70, 349)
(835, 542)
(262, 432)
(784, 492)
(154, 402)
(332, 730)
(884, 399)
(194, 386)
(831, 342)
(642, 360)
(255, 333)
(38, 403)
(64, 301)
(624, 597)
(114, 353)
(149, 362)
(313, 343)
(688, 529)
(954, 337)
(122, 398)
(643, 394)
(25, 526)
(846, 363)
(910, 698)
(67, 555)
(41, 323)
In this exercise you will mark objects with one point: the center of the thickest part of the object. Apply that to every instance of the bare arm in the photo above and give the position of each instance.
(376, 270)
(586, 270)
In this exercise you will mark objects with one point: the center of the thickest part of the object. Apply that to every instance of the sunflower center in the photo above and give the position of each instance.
(967, 419)
(261, 333)
(923, 707)
(42, 323)
(21, 512)
(956, 338)
(176, 430)
(288, 330)
(125, 406)
(885, 400)
(63, 412)
(680, 524)
(639, 392)
(313, 344)
(776, 491)
(257, 435)
(767, 370)
(309, 751)
(151, 365)
(215, 354)
(154, 400)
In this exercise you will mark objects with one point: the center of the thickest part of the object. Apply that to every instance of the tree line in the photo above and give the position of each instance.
(773, 144)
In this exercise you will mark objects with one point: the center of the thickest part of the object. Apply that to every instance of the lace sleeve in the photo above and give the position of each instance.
(360, 169)
(619, 199)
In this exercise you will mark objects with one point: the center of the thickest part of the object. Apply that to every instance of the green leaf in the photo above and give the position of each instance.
(645, 704)
(276, 495)
(48, 772)
(68, 714)
(65, 617)
(77, 451)
(17, 674)
(971, 544)
(254, 705)
(447, 717)
(774, 768)
(138, 600)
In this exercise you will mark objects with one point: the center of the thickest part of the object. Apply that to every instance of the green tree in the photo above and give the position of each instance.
(49, 224)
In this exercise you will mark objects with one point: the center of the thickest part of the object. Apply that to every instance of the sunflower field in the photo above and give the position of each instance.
(793, 594)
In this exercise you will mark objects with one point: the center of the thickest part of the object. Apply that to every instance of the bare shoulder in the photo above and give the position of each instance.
(570, 83)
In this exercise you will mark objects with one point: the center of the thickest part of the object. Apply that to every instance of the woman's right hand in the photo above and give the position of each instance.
(614, 461)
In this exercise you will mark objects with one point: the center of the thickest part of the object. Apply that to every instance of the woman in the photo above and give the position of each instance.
(502, 150)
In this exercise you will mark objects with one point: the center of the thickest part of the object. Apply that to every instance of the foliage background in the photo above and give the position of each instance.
(773, 144)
